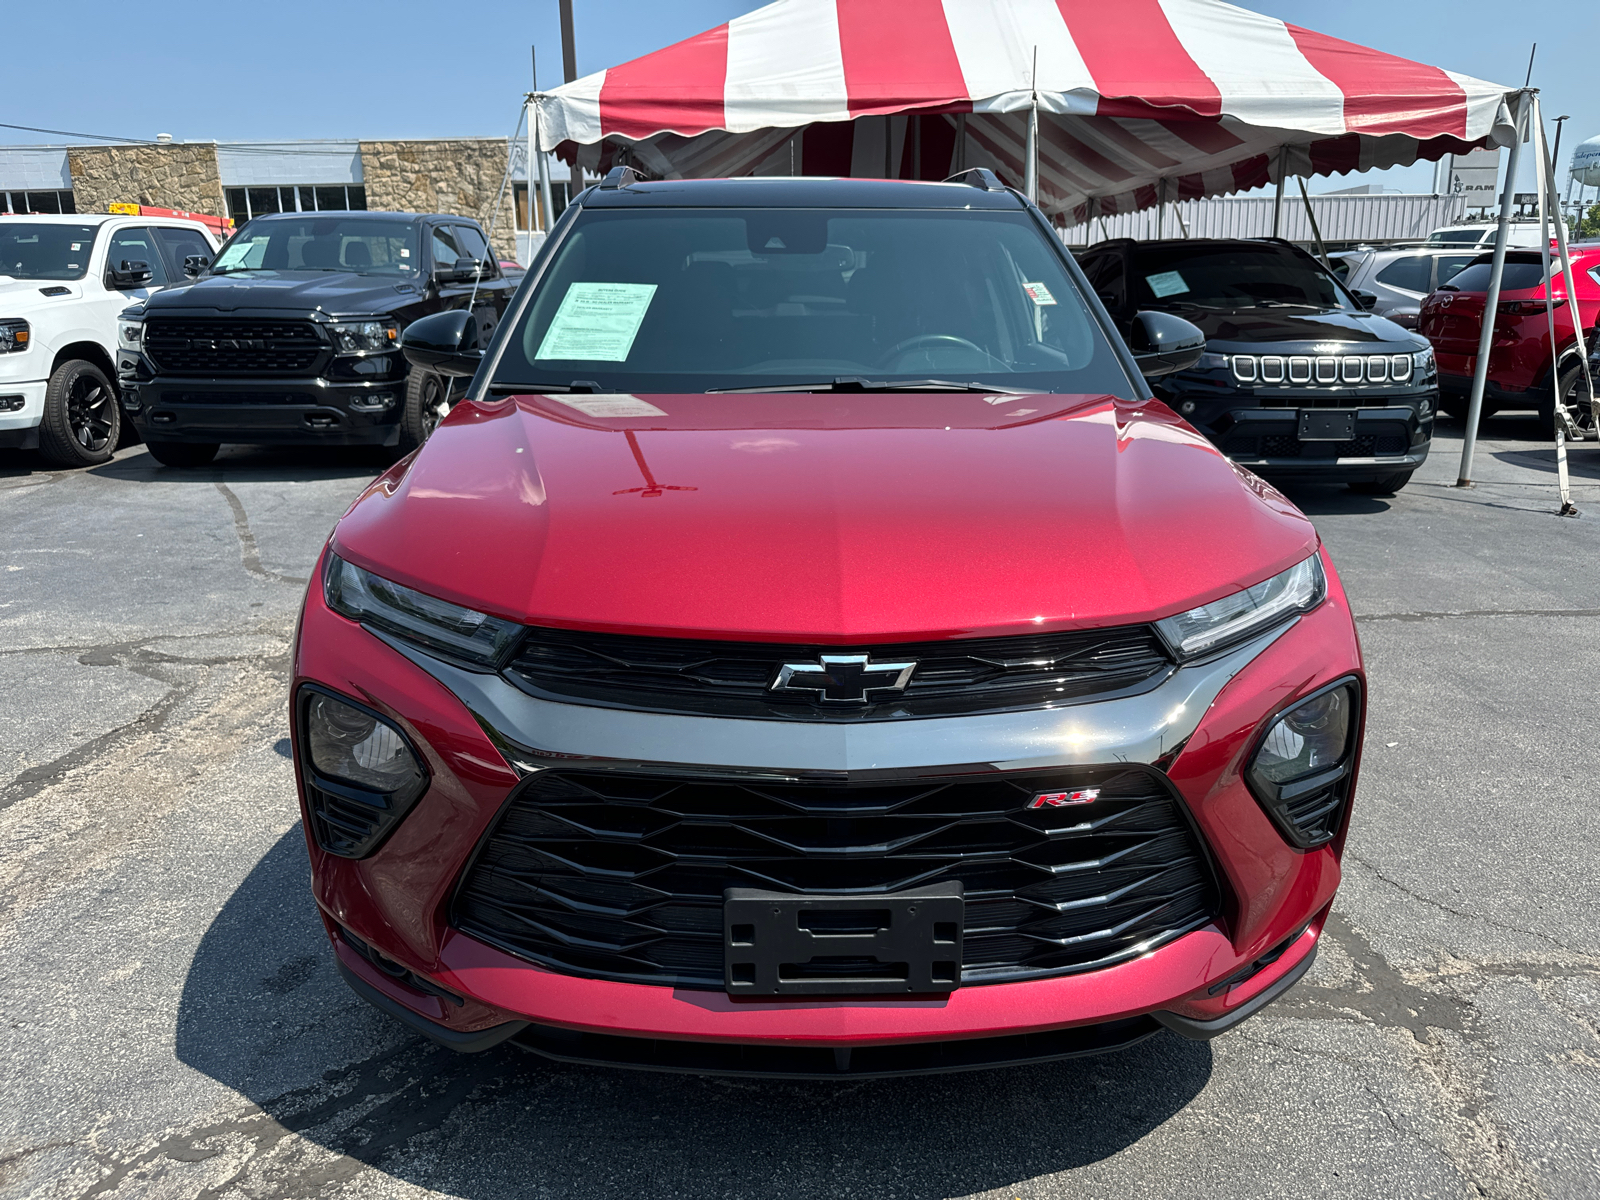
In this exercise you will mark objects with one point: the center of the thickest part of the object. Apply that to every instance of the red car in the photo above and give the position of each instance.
(1520, 358)
(809, 651)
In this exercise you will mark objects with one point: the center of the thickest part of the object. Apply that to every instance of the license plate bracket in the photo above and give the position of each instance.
(1327, 424)
(781, 944)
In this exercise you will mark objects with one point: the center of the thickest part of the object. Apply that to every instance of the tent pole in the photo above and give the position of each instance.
(1031, 169)
(1322, 251)
(1491, 301)
(1161, 207)
(1546, 191)
(1277, 200)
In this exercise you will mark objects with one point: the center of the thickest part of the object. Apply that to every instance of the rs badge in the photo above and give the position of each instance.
(1063, 799)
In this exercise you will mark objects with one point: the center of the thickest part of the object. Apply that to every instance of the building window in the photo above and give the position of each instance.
(37, 202)
(558, 201)
(244, 203)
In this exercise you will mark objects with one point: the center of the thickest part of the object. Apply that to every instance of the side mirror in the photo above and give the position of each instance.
(1367, 300)
(130, 274)
(193, 264)
(445, 343)
(1163, 343)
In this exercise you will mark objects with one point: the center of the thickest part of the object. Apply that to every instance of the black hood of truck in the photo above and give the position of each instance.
(337, 293)
(1245, 329)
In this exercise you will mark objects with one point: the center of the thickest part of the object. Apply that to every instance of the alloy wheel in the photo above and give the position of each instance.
(89, 413)
(435, 405)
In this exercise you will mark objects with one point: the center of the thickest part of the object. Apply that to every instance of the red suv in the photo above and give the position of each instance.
(1520, 358)
(811, 651)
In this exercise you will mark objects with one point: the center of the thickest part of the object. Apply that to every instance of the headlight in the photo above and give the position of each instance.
(1424, 361)
(130, 334)
(363, 337)
(1244, 614)
(1300, 771)
(1211, 362)
(437, 625)
(14, 335)
(361, 776)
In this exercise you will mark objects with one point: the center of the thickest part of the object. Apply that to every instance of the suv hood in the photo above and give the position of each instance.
(1243, 329)
(822, 517)
(334, 292)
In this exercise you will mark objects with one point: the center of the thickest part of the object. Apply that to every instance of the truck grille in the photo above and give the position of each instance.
(621, 876)
(735, 678)
(222, 347)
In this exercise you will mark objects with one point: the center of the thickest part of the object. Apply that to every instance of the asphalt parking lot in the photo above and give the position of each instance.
(173, 1026)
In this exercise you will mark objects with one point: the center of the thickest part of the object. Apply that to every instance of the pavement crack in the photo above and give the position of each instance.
(1454, 912)
(249, 553)
(1473, 613)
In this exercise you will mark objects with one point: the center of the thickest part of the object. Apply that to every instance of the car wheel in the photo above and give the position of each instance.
(182, 454)
(427, 402)
(1387, 485)
(81, 419)
(1574, 395)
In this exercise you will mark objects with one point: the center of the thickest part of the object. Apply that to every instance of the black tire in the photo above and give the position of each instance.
(181, 454)
(82, 419)
(1388, 485)
(1570, 383)
(427, 402)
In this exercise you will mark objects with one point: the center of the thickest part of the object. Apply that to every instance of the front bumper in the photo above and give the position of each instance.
(274, 410)
(469, 994)
(19, 427)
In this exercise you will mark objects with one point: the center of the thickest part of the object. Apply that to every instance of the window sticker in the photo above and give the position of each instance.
(597, 322)
(405, 253)
(1039, 294)
(1168, 283)
(75, 246)
(610, 406)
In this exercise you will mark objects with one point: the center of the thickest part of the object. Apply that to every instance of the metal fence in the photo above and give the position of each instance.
(1341, 219)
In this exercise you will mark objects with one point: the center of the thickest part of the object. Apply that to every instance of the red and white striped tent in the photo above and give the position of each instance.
(1139, 101)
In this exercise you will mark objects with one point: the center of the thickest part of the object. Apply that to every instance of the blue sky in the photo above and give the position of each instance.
(295, 69)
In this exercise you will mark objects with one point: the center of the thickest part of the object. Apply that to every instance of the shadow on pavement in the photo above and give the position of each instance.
(1323, 499)
(264, 1013)
(254, 464)
(1583, 459)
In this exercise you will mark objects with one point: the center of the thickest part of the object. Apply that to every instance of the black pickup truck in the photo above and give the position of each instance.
(292, 334)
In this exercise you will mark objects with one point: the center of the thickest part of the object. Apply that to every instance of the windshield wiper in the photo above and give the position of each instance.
(856, 384)
(588, 386)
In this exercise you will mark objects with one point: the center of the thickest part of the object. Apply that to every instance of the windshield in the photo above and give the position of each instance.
(689, 300)
(1455, 237)
(1232, 276)
(41, 250)
(362, 245)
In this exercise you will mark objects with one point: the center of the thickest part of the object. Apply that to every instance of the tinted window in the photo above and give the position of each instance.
(663, 300)
(136, 245)
(1230, 276)
(445, 249)
(1518, 277)
(472, 243)
(1108, 280)
(368, 247)
(35, 250)
(1454, 237)
(1414, 273)
(1450, 265)
(182, 243)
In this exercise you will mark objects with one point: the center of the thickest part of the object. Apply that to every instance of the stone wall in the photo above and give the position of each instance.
(460, 176)
(181, 175)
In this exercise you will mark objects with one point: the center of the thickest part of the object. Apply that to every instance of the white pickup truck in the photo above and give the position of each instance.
(63, 280)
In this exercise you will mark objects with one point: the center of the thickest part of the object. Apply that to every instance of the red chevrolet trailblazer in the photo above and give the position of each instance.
(809, 651)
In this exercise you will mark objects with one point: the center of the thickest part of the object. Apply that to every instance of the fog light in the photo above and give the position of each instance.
(1424, 408)
(12, 403)
(1186, 407)
(361, 775)
(378, 402)
(1300, 771)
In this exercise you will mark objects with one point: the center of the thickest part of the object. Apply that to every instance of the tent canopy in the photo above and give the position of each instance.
(1140, 101)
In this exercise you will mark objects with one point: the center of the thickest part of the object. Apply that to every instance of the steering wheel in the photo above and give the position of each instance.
(935, 339)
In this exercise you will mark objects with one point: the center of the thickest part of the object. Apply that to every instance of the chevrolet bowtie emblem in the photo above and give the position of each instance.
(844, 678)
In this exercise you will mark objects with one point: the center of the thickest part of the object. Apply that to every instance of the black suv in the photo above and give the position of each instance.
(1298, 379)
(292, 334)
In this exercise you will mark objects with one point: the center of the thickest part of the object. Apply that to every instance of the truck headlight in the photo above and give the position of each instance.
(14, 335)
(435, 625)
(364, 337)
(1242, 615)
(130, 335)
(1424, 362)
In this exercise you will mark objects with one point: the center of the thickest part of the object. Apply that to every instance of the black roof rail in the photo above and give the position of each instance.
(978, 177)
(617, 177)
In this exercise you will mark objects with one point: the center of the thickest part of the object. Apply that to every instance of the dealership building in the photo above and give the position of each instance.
(462, 176)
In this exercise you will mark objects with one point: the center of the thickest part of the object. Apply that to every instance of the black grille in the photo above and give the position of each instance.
(1356, 447)
(1281, 446)
(1390, 445)
(621, 876)
(224, 346)
(735, 678)
(233, 399)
